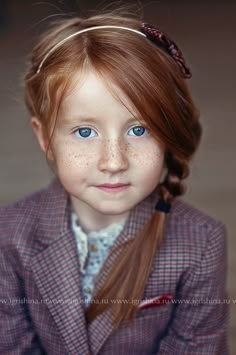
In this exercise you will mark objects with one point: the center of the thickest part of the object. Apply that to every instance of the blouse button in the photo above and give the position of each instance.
(94, 248)
(88, 289)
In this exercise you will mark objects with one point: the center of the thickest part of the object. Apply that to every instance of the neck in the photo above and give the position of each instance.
(91, 220)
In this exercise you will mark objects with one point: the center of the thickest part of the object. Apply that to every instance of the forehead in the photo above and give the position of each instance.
(90, 94)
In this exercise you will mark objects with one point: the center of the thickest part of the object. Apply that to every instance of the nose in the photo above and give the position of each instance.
(113, 156)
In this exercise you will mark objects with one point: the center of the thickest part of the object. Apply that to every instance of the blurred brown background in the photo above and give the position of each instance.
(205, 31)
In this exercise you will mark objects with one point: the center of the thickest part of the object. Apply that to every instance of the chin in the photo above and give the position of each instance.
(112, 210)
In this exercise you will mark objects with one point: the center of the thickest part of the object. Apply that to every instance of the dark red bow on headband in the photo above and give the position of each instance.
(161, 39)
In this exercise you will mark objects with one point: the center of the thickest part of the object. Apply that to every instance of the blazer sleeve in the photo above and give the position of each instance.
(200, 319)
(17, 335)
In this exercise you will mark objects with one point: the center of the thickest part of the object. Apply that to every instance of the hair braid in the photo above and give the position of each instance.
(177, 171)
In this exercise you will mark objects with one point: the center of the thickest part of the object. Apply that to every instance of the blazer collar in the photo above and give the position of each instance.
(56, 269)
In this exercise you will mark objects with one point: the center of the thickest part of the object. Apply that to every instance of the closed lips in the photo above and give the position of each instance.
(112, 185)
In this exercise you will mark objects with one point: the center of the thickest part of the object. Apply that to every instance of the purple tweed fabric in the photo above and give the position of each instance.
(40, 286)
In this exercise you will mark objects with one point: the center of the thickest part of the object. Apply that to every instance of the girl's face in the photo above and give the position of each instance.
(106, 160)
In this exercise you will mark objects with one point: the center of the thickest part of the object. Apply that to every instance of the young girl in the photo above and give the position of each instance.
(106, 260)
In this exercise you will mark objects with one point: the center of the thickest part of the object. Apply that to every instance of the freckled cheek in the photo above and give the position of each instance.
(151, 158)
(74, 158)
(148, 166)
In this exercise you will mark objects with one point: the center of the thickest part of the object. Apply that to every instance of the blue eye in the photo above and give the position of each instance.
(85, 132)
(138, 131)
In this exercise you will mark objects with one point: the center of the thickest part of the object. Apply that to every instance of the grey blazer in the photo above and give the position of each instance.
(40, 288)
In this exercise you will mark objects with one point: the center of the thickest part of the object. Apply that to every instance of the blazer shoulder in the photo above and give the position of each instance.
(20, 217)
(191, 235)
(188, 214)
(22, 204)
(193, 229)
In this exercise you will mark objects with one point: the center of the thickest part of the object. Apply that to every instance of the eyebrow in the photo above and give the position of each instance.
(91, 119)
(75, 120)
(84, 119)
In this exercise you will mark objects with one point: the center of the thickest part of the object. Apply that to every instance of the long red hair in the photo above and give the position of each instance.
(152, 82)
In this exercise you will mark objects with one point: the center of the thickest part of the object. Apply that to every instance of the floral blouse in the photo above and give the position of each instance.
(93, 249)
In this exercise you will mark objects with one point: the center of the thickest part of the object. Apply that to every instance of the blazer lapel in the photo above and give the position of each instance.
(101, 327)
(56, 272)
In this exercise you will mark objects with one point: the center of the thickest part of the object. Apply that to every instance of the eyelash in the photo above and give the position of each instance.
(145, 132)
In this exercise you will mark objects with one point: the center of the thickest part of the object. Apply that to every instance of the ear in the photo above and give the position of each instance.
(40, 135)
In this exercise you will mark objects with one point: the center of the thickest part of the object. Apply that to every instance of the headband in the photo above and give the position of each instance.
(148, 31)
